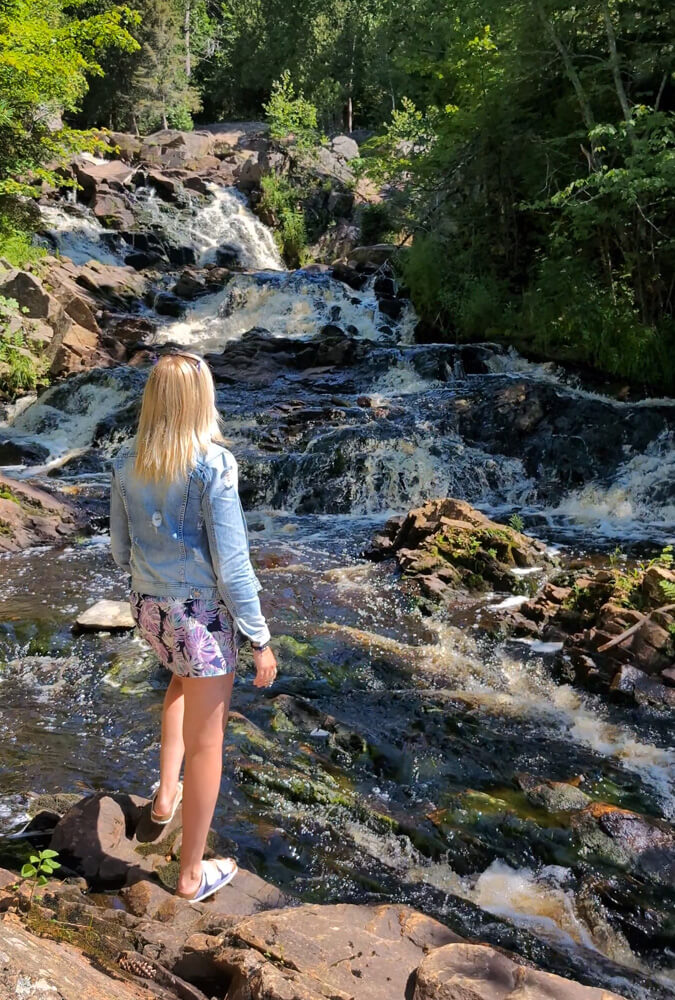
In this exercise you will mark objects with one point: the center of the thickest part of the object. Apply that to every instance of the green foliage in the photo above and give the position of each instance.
(46, 56)
(376, 223)
(668, 589)
(19, 368)
(290, 114)
(40, 867)
(279, 204)
(516, 522)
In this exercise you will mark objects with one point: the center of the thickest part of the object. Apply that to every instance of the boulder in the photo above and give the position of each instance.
(112, 210)
(228, 255)
(168, 304)
(627, 839)
(172, 148)
(344, 147)
(92, 176)
(32, 516)
(643, 689)
(168, 188)
(447, 545)
(140, 260)
(126, 146)
(476, 972)
(15, 451)
(106, 615)
(28, 291)
(373, 256)
(189, 286)
(331, 948)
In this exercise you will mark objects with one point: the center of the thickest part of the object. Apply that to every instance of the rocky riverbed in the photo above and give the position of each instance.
(448, 746)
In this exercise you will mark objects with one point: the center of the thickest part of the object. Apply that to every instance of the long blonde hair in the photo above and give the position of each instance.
(178, 418)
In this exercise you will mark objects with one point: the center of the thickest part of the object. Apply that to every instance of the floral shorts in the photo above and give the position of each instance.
(193, 638)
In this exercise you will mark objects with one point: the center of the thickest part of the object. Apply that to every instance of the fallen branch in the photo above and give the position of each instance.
(633, 629)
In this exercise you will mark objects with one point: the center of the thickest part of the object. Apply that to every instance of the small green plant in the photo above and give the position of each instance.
(39, 867)
(290, 114)
(616, 557)
(516, 522)
(376, 223)
(492, 553)
(668, 589)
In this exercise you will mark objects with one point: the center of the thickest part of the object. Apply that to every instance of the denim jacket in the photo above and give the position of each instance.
(187, 539)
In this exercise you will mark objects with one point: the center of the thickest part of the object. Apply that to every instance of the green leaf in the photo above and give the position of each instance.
(28, 871)
(48, 853)
(42, 880)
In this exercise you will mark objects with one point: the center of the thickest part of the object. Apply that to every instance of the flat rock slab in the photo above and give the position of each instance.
(106, 615)
(39, 969)
(476, 972)
(342, 950)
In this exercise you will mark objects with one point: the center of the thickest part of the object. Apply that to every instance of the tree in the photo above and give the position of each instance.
(46, 57)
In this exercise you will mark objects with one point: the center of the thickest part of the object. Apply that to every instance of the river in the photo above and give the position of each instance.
(383, 719)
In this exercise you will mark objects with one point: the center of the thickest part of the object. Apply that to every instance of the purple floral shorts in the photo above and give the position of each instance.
(193, 638)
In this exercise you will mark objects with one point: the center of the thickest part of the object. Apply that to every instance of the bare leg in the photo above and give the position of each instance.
(172, 748)
(207, 703)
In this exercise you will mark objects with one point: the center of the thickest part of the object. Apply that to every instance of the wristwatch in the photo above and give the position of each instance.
(260, 646)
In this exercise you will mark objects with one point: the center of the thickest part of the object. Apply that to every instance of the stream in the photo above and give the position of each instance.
(384, 762)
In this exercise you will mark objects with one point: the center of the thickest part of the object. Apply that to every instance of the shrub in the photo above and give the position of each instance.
(376, 223)
(280, 201)
(290, 114)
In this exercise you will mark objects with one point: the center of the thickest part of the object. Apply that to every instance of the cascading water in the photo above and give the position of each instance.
(444, 717)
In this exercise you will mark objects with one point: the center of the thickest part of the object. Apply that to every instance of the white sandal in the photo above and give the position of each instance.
(158, 818)
(215, 874)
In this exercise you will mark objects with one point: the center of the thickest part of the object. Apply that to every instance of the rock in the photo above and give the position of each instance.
(92, 176)
(92, 839)
(131, 329)
(168, 304)
(14, 451)
(128, 147)
(79, 348)
(348, 275)
(112, 210)
(627, 839)
(142, 259)
(651, 585)
(105, 615)
(340, 203)
(189, 286)
(554, 796)
(344, 147)
(110, 284)
(477, 972)
(32, 516)
(228, 255)
(35, 968)
(332, 949)
(172, 148)
(391, 307)
(643, 689)
(27, 290)
(447, 542)
(168, 188)
(667, 675)
(373, 256)
(182, 256)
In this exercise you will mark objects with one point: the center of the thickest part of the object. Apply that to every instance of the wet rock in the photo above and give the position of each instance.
(643, 689)
(106, 615)
(142, 259)
(16, 452)
(189, 285)
(31, 516)
(182, 256)
(475, 972)
(447, 544)
(554, 796)
(348, 275)
(228, 255)
(336, 951)
(626, 839)
(112, 210)
(168, 188)
(168, 304)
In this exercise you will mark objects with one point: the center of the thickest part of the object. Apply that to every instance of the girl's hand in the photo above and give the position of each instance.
(266, 667)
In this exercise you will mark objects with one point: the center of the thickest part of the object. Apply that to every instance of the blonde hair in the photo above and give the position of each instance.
(178, 420)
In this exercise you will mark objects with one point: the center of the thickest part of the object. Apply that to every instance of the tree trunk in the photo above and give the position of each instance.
(570, 69)
(186, 29)
(616, 68)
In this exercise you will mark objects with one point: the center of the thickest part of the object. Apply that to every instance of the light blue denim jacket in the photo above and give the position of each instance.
(187, 539)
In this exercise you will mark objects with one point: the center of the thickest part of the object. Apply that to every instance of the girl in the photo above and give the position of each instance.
(178, 528)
